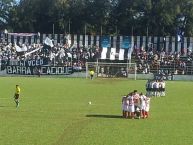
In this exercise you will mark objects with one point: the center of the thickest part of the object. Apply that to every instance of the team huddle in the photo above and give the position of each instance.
(135, 105)
(155, 88)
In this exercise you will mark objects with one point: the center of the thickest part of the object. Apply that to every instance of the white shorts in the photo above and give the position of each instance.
(147, 108)
(124, 107)
(131, 108)
(143, 107)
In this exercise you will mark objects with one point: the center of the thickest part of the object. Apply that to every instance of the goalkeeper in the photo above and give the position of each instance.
(91, 74)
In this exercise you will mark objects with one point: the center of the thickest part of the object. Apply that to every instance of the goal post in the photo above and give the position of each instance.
(112, 70)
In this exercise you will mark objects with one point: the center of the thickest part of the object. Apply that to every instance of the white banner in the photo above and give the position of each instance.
(121, 54)
(113, 53)
(104, 53)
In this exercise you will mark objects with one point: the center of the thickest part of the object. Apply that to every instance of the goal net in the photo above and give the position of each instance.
(111, 70)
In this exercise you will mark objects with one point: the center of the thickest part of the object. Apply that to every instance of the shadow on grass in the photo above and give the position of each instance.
(104, 116)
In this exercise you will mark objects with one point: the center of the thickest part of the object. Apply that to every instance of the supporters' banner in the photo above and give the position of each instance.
(44, 70)
(121, 54)
(126, 43)
(113, 53)
(105, 41)
(116, 54)
(3, 64)
(104, 53)
(169, 43)
(29, 63)
(48, 42)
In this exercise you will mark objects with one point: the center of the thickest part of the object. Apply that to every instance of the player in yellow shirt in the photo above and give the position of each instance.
(17, 94)
(91, 74)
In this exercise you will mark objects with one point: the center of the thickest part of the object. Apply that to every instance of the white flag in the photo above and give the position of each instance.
(113, 53)
(49, 42)
(24, 47)
(18, 49)
(104, 53)
(121, 54)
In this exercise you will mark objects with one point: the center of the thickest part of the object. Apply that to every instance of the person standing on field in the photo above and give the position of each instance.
(17, 95)
(124, 106)
(91, 74)
(143, 99)
(147, 107)
(131, 107)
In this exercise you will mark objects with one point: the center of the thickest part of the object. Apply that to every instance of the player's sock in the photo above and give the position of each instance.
(17, 103)
(143, 113)
(132, 115)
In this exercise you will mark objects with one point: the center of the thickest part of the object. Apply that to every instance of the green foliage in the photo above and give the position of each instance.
(5, 7)
(55, 111)
(113, 16)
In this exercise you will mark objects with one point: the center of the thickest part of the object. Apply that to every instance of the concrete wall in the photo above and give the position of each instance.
(131, 76)
(141, 76)
(183, 77)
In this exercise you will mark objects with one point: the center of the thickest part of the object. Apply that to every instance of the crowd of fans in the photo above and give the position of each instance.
(59, 55)
(161, 62)
(151, 61)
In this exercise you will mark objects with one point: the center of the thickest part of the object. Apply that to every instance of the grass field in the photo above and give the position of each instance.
(55, 111)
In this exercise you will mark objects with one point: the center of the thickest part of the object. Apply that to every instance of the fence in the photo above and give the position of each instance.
(168, 43)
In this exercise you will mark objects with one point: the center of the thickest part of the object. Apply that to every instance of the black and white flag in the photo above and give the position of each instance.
(116, 54)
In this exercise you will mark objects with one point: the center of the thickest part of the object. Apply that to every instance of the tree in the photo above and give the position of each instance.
(126, 17)
(5, 7)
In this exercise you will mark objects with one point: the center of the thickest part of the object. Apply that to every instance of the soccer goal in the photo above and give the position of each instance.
(111, 70)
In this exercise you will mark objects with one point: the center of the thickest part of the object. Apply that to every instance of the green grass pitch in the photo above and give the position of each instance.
(55, 111)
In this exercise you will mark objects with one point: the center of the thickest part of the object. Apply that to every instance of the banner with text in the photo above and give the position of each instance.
(30, 62)
(44, 70)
